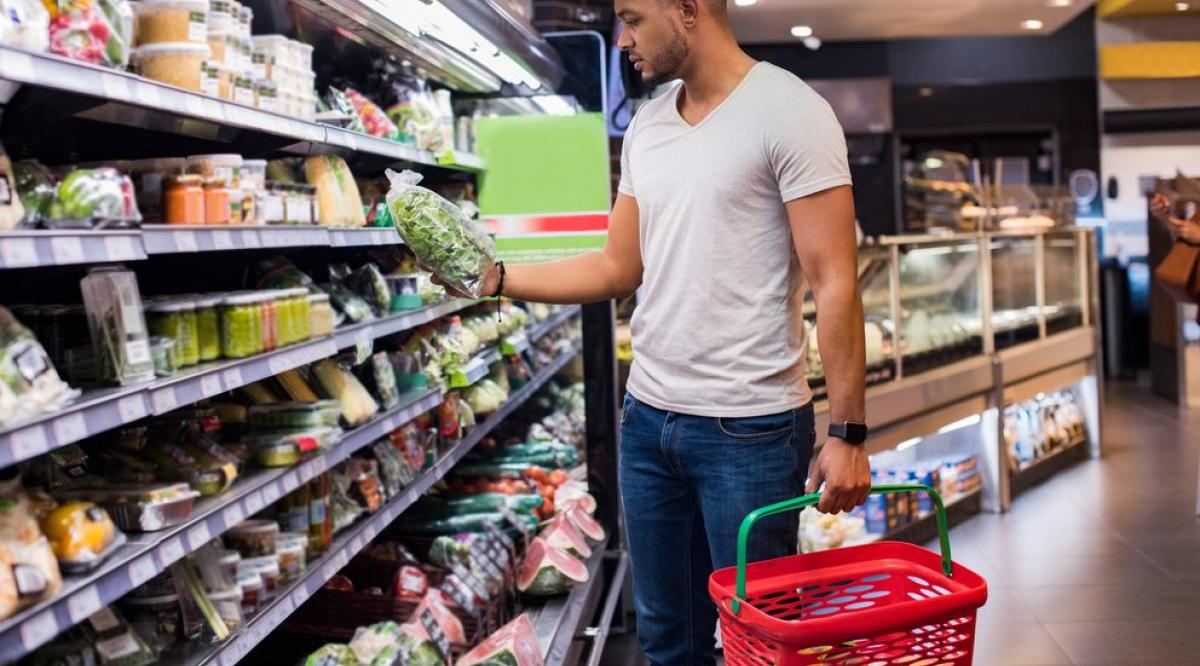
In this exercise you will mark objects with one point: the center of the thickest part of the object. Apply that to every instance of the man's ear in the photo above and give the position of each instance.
(689, 11)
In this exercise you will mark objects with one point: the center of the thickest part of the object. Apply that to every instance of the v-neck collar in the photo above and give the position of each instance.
(717, 109)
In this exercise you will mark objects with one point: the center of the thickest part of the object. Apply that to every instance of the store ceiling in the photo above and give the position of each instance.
(770, 21)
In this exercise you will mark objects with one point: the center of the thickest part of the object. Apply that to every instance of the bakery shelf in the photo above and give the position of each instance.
(348, 543)
(131, 99)
(28, 248)
(149, 554)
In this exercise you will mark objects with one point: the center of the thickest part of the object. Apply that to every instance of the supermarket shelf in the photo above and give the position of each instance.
(210, 379)
(363, 237)
(558, 620)
(27, 248)
(475, 369)
(1043, 468)
(146, 555)
(555, 320)
(92, 413)
(348, 336)
(460, 160)
(172, 238)
(131, 99)
(924, 528)
(348, 543)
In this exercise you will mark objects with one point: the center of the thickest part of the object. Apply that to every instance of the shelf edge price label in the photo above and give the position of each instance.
(198, 536)
(141, 570)
(210, 385)
(67, 250)
(114, 86)
(171, 551)
(18, 252)
(119, 248)
(222, 240)
(131, 408)
(83, 604)
(29, 442)
(250, 238)
(233, 515)
(69, 428)
(164, 400)
(185, 241)
(39, 629)
(233, 378)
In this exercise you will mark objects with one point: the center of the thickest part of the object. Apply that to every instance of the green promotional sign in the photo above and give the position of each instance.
(546, 192)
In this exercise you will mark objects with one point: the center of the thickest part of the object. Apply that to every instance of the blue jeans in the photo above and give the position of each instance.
(686, 484)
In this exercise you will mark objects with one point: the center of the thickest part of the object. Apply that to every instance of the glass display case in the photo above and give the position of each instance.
(962, 295)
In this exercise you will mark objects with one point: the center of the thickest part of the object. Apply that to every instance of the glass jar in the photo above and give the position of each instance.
(303, 323)
(270, 204)
(218, 208)
(320, 315)
(169, 319)
(208, 326)
(241, 326)
(189, 354)
(183, 200)
(267, 328)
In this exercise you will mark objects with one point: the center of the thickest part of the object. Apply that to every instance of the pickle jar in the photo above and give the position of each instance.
(303, 325)
(168, 318)
(320, 315)
(189, 354)
(268, 331)
(241, 326)
(208, 326)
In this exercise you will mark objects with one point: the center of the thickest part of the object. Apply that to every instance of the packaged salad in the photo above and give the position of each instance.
(456, 248)
(29, 384)
(99, 32)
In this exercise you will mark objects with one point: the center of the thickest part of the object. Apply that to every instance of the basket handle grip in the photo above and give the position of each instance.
(811, 500)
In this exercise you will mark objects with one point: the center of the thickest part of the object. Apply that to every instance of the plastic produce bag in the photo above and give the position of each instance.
(456, 248)
(24, 24)
(374, 120)
(117, 326)
(94, 198)
(37, 188)
(339, 203)
(11, 209)
(29, 384)
(99, 32)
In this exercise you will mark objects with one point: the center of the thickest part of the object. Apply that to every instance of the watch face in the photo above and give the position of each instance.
(856, 432)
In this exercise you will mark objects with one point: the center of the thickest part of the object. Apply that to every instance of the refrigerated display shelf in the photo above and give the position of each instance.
(127, 90)
(1042, 468)
(554, 321)
(347, 544)
(149, 554)
(924, 528)
(559, 621)
(23, 248)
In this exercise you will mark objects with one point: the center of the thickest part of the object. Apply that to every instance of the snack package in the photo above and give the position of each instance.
(28, 569)
(99, 32)
(24, 24)
(456, 248)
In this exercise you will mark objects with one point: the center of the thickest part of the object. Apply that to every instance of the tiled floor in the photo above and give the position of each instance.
(1099, 565)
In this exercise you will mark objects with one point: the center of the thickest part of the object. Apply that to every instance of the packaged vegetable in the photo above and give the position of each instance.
(24, 24)
(29, 384)
(295, 415)
(339, 103)
(35, 185)
(341, 385)
(456, 248)
(339, 203)
(180, 64)
(253, 538)
(99, 32)
(161, 21)
(368, 282)
(81, 535)
(94, 198)
(12, 211)
(28, 569)
(117, 327)
(333, 654)
(374, 120)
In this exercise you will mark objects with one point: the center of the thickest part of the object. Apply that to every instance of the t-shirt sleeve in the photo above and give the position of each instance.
(807, 148)
(625, 185)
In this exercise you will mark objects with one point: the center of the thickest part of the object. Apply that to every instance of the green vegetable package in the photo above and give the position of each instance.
(456, 248)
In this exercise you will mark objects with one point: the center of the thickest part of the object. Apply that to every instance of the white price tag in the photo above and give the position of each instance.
(343, 558)
(233, 515)
(170, 552)
(83, 604)
(67, 250)
(356, 544)
(210, 385)
(330, 569)
(299, 597)
(119, 248)
(194, 105)
(198, 536)
(278, 363)
(233, 378)
(250, 238)
(290, 482)
(271, 493)
(38, 629)
(164, 400)
(350, 140)
(29, 442)
(185, 241)
(147, 94)
(141, 570)
(222, 240)
(389, 424)
(18, 66)
(214, 109)
(69, 428)
(131, 408)
(18, 252)
(254, 503)
(115, 87)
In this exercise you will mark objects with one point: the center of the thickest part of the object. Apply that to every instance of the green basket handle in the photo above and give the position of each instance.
(810, 500)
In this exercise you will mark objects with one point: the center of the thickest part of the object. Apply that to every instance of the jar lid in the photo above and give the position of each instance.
(220, 159)
(186, 180)
(172, 48)
(190, 5)
(317, 298)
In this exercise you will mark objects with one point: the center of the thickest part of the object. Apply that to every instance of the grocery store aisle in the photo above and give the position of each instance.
(1097, 566)
(1100, 565)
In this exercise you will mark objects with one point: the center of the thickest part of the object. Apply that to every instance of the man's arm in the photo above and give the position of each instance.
(613, 272)
(824, 235)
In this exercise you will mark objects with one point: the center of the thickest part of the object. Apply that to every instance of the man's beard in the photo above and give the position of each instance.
(666, 65)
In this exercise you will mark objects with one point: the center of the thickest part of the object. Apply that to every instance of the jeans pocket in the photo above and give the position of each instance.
(755, 428)
(626, 405)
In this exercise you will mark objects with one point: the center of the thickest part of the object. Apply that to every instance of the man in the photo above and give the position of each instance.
(730, 184)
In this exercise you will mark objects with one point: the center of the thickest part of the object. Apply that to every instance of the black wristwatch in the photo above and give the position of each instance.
(851, 432)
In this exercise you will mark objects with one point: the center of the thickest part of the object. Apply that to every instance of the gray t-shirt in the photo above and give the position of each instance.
(718, 330)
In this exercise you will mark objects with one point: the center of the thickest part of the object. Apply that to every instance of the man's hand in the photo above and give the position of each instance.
(846, 473)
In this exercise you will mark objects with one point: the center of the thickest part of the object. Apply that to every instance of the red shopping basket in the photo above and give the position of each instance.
(873, 605)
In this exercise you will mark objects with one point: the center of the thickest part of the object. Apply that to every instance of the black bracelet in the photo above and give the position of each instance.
(499, 288)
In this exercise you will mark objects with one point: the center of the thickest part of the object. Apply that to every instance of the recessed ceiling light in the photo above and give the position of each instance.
(1059, 3)
(1032, 24)
(802, 31)
(1182, 6)
(744, 3)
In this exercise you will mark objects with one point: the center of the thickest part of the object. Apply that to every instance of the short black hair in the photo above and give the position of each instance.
(719, 7)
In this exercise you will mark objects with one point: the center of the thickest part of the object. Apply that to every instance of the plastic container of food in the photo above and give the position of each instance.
(220, 16)
(253, 538)
(295, 415)
(245, 17)
(277, 46)
(304, 55)
(241, 326)
(210, 84)
(254, 174)
(208, 327)
(252, 587)
(243, 91)
(227, 167)
(158, 620)
(165, 21)
(217, 208)
(406, 292)
(174, 63)
(268, 568)
(81, 535)
(282, 449)
(266, 95)
(275, 453)
(229, 564)
(136, 508)
(228, 604)
(320, 315)
(291, 559)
